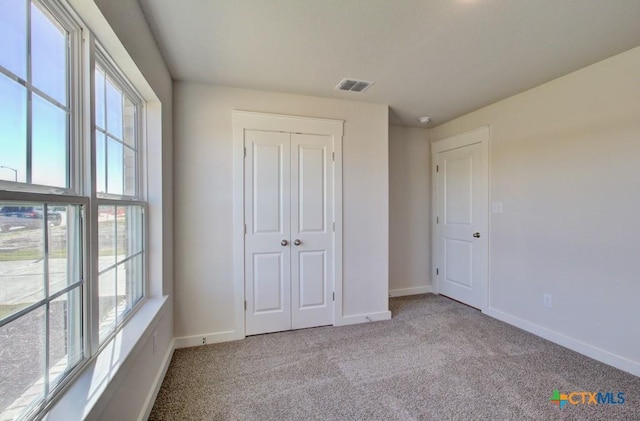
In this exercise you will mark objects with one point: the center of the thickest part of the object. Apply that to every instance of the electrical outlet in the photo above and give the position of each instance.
(155, 341)
(546, 300)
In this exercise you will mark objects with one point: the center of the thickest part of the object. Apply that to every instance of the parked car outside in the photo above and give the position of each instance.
(26, 216)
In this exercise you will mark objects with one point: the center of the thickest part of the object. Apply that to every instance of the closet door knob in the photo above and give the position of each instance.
(297, 242)
(284, 243)
(476, 235)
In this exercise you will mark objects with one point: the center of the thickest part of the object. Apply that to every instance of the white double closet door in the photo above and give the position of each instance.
(289, 236)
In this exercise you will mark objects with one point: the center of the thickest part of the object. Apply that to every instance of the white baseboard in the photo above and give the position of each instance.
(209, 338)
(591, 351)
(363, 318)
(157, 383)
(401, 292)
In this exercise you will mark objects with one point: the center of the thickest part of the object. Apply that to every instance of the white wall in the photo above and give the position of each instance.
(409, 211)
(127, 21)
(204, 294)
(565, 161)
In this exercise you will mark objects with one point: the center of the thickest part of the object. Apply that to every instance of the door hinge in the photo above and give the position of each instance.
(333, 156)
(334, 227)
(437, 168)
(437, 221)
(245, 228)
(437, 273)
(245, 151)
(334, 296)
(245, 305)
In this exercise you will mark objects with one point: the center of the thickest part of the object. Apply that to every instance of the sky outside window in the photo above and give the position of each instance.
(116, 154)
(36, 154)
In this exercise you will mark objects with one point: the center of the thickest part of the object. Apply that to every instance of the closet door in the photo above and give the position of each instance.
(311, 230)
(267, 239)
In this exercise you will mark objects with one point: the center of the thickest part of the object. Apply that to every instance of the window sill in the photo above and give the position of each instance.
(91, 390)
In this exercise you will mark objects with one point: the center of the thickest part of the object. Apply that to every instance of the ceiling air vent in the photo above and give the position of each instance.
(353, 85)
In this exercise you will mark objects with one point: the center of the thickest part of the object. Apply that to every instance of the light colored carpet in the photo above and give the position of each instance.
(435, 360)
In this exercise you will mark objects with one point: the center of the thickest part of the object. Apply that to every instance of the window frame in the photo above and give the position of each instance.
(63, 16)
(111, 70)
(51, 392)
(98, 56)
(84, 52)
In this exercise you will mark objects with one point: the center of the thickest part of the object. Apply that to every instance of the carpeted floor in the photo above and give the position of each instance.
(435, 360)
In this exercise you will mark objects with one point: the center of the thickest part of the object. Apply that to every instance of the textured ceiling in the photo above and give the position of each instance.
(440, 58)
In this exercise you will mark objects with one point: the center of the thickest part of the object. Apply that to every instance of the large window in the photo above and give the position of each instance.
(72, 209)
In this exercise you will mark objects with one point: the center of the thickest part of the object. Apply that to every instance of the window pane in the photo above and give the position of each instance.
(129, 226)
(120, 287)
(65, 334)
(13, 33)
(115, 160)
(13, 130)
(106, 237)
(132, 281)
(48, 55)
(136, 230)
(129, 123)
(49, 136)
(130, 182)
(107, 303)
(114, 110)
(21, 256)
(22, 345)
(101, 166)
(99, 98)
(64, 246)
(122, 233)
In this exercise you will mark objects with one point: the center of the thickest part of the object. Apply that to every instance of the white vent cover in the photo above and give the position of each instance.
(353, 85)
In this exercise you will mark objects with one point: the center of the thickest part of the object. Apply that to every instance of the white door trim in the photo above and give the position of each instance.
(480, 136)
(247, 120)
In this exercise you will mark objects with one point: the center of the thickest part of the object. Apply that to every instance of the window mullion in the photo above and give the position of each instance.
(47, 309)
(29, 136)
(29, 96)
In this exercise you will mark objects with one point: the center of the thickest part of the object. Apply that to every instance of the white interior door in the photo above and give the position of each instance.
(267, 218)
(311, 230)
(289, 231)
(462, 213)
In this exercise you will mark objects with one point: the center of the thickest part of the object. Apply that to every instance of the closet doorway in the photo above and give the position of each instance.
(289, 221)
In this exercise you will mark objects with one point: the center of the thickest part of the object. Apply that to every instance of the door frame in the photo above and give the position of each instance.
(249, 120)
(482, 136)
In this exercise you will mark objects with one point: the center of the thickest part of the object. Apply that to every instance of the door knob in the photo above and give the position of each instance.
(476, 235)
(284, 243)
(297, 242)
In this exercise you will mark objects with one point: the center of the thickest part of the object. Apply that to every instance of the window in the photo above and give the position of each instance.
(121, 263)
(41, 324)
(120, 213)
(72, 209)
(34, 105)
(116, 135)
